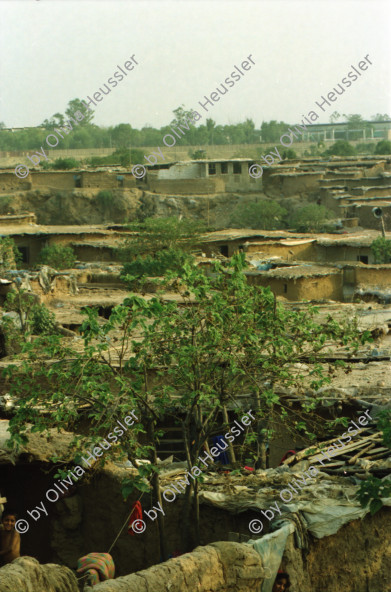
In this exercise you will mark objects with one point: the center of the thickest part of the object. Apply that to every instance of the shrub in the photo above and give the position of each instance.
(289, 154)
(65, 164)
(341, 148)
(365, 148)
(58, 257)
(383, 147)
(171, 259)
(310, 218)
(104, 198)
(262, 215)
(9, 254)
(43, 322)
(197, 154)
(381, 249)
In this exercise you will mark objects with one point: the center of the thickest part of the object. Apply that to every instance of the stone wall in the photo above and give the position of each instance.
(219, 567)
(25, 574)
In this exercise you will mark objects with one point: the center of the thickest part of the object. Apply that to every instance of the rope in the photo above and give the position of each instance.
(125, 523)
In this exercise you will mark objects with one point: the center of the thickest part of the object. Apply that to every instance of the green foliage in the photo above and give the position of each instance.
(5, 203)
(383, 147)
(64, 164)
(58, 256)
(181, 361)
(9, 254)
(365, 148)
(384, 424)
(156, 234)
(381, 249)
(105, 198)
(370, 492)
(262, 215)
(341, 148)
(43, 322)
(170, 259)
(120, 157)
(272, 131)
(310, 218)
(159, 245)
(34, 318)
(289, 154)
(197, 154)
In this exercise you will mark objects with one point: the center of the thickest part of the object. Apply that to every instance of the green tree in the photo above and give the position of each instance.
(8, 253)
(272, 131)
(220, 337)
(341, 148)
(156, 234)
(121, 135)
(262, 215)
(65, 164)
(197, 154)
(383, 147)
(310, 218)
(381, 249)
(380, 117)
(77, 105)
(58, 256)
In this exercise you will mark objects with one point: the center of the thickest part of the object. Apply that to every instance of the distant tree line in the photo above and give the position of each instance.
(123, 136)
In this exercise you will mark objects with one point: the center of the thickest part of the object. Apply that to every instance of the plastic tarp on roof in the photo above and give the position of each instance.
(271, 549)
(320, 509)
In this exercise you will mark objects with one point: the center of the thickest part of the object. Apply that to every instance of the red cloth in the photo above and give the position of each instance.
(287, 455)
(136, 514)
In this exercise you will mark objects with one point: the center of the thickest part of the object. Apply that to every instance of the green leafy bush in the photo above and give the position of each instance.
(383, 147)
(58, 257)
(370, 492)
(120, 157)
(65, 164)
(381, 249)
(172, 259)
(197, 154)
(105, 198)
(365, 148)
(9, 254)
(310, 218)
(262, 215)
(341, 148)
(42, 321)
(289, 154)
(384, 424)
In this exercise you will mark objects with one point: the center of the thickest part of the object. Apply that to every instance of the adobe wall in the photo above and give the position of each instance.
(63, 180)
(25, 574)
(219, 567)
(368, 220)
(10, 182)
(374, 276)
(343, 253)
(179, 186)
(357, 558)
(292, 184)
(319, 288)
(305, 288)
(304, 252)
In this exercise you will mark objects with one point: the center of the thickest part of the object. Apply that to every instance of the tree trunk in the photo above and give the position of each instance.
(157, 494)
(231, 451)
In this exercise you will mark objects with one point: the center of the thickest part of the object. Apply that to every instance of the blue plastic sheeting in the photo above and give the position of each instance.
(271, 548)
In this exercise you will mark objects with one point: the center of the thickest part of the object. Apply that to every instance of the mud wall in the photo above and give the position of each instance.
(379, 275)
(185, 186)
(220, 567)
(304, 288)
(25, 574)
(356, 559)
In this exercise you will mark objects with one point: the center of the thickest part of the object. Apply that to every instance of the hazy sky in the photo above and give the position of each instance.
(55, 50)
